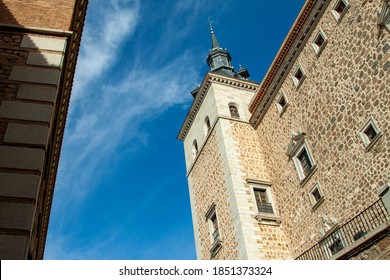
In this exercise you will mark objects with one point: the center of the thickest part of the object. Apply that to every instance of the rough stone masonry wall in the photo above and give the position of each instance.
(207, 186)
(271, 240)
(345, 85)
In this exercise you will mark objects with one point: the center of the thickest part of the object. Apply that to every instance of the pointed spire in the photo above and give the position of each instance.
(214, 41)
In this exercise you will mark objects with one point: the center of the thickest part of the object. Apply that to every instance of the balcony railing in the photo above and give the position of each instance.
(353, 230)
(265, 207)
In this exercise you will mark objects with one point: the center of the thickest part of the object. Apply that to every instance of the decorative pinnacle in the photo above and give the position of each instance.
(211, 25)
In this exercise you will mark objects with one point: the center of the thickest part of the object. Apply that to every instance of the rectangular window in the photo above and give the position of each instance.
(370, 133)
(315, 195)
(319, 42)
(304, 162)
(339, 9)
(215, 237)
(282, 103)
(298, 76)
(262, 201)
(265, 207)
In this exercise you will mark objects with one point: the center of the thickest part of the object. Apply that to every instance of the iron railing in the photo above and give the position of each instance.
(265, 207)
(353, 230)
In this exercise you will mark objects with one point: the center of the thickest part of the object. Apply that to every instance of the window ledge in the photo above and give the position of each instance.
(268, 219)
(308, 176)
(317, 204)
(217, 245)
(373, 141)
(282, 110)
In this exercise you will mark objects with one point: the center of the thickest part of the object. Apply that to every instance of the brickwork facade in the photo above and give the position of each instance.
(58, 13)
(37, 62)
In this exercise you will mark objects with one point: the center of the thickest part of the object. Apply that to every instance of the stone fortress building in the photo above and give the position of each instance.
(39, 44)
(296, 167)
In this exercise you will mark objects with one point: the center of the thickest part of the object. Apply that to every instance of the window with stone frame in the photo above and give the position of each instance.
(339, 9)
(370, 133)
(282, 103)
(233, 111)
(303, 162)
(215, 237)
(316, 196)
(298, 76)
(264, 205)
(319, 42)
(262, 201)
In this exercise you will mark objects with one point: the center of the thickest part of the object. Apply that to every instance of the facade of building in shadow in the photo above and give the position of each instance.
(297, 167)
(39, 44)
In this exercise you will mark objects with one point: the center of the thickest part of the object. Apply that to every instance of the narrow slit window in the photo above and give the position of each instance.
(207, 126)
(194, 149)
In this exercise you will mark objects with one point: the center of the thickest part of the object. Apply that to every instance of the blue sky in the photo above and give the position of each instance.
(121, 190)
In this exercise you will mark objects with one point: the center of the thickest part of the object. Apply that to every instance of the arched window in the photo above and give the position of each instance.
(207, 126)
(194, 149)
(233, 111)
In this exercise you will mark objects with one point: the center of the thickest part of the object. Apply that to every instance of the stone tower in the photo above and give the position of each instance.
(39, 43)
(301, 170)
(220, 149)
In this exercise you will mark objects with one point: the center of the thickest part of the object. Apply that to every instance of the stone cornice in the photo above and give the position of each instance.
(198, 100)
(53, 152)
(285, 58)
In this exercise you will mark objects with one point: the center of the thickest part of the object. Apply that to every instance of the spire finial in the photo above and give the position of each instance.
(211, 25)
(214, 41)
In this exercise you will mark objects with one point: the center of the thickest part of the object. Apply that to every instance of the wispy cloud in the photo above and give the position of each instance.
(108, 110)
(111, 24)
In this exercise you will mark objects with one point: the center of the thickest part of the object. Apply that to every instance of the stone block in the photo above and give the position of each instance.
(16, 215)
(12, 247)
(43, 43)
(21, 158)
(25, 111)
(35, 75)
(35, 92)
(45, 59)
(26, 134)
(19, 185)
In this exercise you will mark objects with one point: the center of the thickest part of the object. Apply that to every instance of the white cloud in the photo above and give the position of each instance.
(108, 109)
(109, 27)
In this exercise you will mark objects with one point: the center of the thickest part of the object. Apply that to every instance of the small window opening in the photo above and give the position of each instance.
(234, 111)
(305, 162)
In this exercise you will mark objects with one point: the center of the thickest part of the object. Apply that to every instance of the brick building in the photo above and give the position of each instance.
(297, 167)
(39, 43)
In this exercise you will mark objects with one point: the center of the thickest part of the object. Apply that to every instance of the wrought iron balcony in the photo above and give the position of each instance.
(265, 207)
(349, 233)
